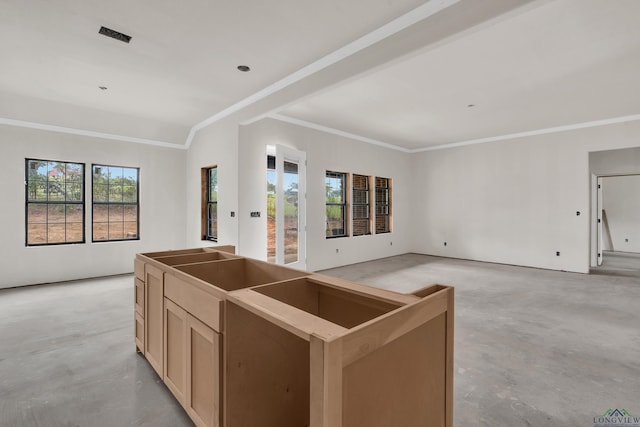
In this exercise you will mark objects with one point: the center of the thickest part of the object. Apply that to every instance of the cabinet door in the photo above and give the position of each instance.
(203, 373)
(153, 318)
(175, 349)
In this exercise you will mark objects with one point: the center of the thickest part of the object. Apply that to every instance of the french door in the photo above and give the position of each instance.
(290, 208)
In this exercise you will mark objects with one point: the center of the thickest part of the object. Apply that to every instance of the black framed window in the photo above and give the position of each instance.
(116, 207)
(336, 204)
(271, 208)
(383, 205)
(54, 202)
(210, 203)
(361, 216)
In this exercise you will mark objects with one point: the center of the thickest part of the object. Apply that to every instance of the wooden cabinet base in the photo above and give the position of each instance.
(334, 357)
(244, 343)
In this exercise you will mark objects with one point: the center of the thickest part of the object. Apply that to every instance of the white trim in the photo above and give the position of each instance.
(418, 14)
(575, 126)
(555, 129)
(73, 131)
(338, 132)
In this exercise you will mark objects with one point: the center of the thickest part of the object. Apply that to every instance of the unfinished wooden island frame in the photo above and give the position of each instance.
(247, 343)
(322, 352)
(181, 332)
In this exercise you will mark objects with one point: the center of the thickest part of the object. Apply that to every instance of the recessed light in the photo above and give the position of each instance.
(244, 68)
(102, 87)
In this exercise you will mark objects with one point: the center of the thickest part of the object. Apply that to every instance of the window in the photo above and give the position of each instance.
(271, 208)
(360, 205)
(210, 203)
(115, 203)
(383, 205)
(336, 201)
(54, 202)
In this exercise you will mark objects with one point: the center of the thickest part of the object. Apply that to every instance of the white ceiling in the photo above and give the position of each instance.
(559, 63)
(180, 66)
(548, 64)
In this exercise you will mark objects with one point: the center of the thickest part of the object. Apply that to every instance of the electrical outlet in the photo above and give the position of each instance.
(337, 250)
(255, 214)
(390, 243)
(445, 243)
(558, 253)
(233, 214)
(626, 240)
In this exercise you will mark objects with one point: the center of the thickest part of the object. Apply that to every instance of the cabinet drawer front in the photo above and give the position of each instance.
(139, 332)
(139, 296)
(138, 269)
(199, 303)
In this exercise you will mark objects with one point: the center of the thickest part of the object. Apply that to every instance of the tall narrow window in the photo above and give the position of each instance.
(383, 205)
(210, 203)
(54, 202)
(291, 181)
(271, 208)
(336, 204)
(116, 205)
(361, 206)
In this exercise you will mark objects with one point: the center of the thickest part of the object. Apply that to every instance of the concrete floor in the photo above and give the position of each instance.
(67, 359)
(533, 347)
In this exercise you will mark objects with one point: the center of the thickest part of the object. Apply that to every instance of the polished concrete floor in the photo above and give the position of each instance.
(533, 347)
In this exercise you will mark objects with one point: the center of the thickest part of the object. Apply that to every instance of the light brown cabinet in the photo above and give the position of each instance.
(245, 343)
(327, 353)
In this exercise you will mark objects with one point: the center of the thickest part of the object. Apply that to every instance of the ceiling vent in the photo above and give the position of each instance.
(114, 34)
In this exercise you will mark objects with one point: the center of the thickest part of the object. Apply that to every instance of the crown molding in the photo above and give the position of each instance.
(337, 132)
(556, 129)
(93, 134)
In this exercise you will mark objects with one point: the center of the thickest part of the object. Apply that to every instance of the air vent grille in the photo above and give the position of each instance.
(114, 34)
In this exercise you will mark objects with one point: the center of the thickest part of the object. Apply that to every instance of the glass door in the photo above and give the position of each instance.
(286, 218)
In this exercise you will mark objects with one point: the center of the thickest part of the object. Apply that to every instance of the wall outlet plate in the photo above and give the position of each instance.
(255, 214)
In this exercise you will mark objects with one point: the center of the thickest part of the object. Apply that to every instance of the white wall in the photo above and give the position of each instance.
(615, 162)
(215, 145)
(324, 152)
(621, 202)
(162, 202)
(513, 201)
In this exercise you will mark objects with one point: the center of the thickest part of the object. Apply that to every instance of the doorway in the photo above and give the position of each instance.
(616, 222)
(286, 206)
